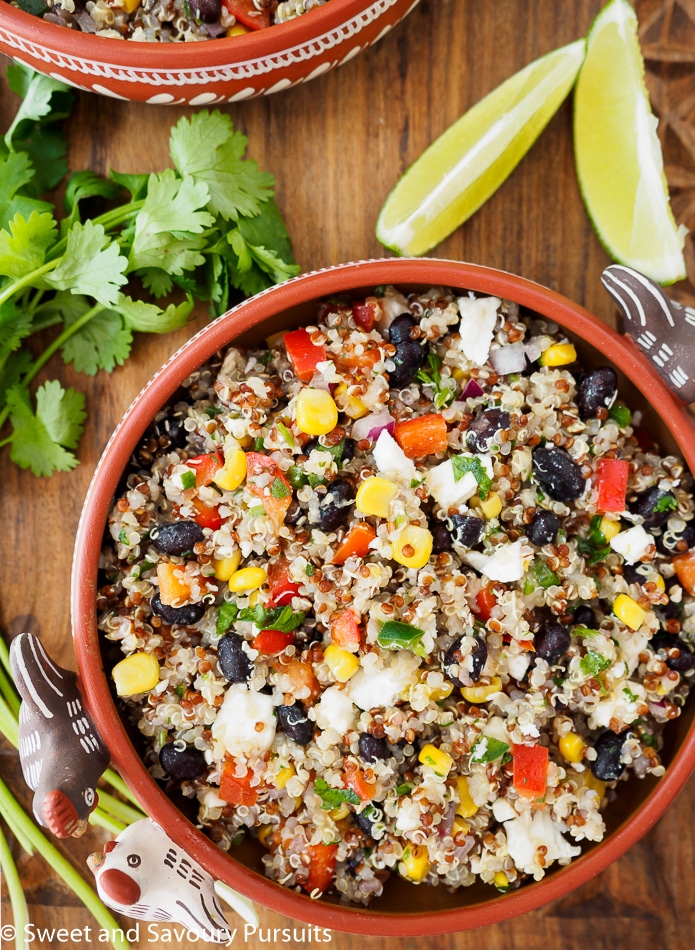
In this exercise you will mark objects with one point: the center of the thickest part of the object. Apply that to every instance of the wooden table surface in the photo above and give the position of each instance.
(337, 146)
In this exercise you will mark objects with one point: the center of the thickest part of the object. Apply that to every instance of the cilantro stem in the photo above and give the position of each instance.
(118, 809)
(27, 280)
(7, 692)
(117, 783)
(102, 819)
(18, 902)
(8, 724)
(108, 220)
(16, 815)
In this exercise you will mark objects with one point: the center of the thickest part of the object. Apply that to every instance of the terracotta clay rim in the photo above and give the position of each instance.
(223, 51)
(300, 290)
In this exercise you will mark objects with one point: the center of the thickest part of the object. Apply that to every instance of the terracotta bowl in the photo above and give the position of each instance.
(403, 910)
(201, 73)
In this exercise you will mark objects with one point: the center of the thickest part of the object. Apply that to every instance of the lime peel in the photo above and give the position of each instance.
(618, 154)
(471, 159)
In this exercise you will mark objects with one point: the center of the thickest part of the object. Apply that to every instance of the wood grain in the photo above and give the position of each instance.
(337, 146)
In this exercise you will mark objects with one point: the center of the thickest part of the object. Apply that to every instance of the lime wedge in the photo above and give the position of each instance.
(468, 162)
(619, 162)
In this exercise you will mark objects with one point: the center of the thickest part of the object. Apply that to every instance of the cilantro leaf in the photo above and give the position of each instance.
(160, 240)
(667, 502)
(87, 184)
(273, 618)
(442, 394)
(593, 663)
(267, 230)
(462, 464)
(226, 616)
(149, 318)
(40, 441)
(156, 281)
(38, 94)
(135, 184)
(16, 365)
(333, 797)
(92, 265)
(15, 325)
(207, 147)
(23, 248)
(102, 343)
(487, 749)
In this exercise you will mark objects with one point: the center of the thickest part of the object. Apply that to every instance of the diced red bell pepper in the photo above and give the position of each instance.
(248, 14)
(321, 868)
(530, 770)
(355, 543)
(269, 642)
(364, 314)
(237, 791)
(611, 484)
(359, 785)
(276, 496)
(205, 467)
(208, 516)
(282, 589)
(421, 436)
(345, 631)
(485, 600)
(303, 354)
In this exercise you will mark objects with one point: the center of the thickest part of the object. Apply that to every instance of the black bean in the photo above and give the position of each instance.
(188, 763)
(294, 722)
(645, 503)
(557, 473)
(595, 391)
(371, 748)
(543, 528)
(183, 616)
(335, 506)
(408, 359)
(607, 765)
(367, 819)
(466, 530)
(670, 641)
(585, 617)
(206, 10)
(400, 328)
(667, 542)
(293, 513)
(483, 429)
(472, 664)
(552, 641)
(171, 428)
(349, 448)
(236, 665)
(177, 538)
(635, 573)
(441, 537)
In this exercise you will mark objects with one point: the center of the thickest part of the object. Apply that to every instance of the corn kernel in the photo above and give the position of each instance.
(559, 355)
(481, 694)
(438, 693)
(130, 6)
(226, 566)
(233, 472)
(458, 374)
(255, 598)
(415, 538)
(351, 405)
(501, 881)
(248, 578)
(239, 30)
(436, 758)
(571, 747)
(283, 776)
(629, 611)
(265, 833)
(609, 528)
(342, 811)
(492, 506)
(416, 862)
(342, 664)
(465, 807)
(460, 827)
(660, 582)
(374, 496)
(317, 413)
(591, 781)
(137, 673)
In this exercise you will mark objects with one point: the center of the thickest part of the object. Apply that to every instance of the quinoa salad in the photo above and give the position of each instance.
(409, 591)
(167, 21)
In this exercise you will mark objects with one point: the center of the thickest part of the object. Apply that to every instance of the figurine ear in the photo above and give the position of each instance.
(118, 887)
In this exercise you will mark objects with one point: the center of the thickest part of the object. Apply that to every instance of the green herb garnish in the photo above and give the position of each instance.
(630, 695)
(309, 570)
(226, 616)
(593, 663)
(187, 480)
(257, 511)
(279, 489)
(621, 415)
(122, 536)
(395, 635)
(488, 749)
(463, 464)
(667, 502)
(442, 395)
(542, 574)
(273, 618)
(333, 797)
(404, 788)
(286, 434)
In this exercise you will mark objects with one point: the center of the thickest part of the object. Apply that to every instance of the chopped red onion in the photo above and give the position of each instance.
(533, 349)
(472, 389)
(369, 427)
(319, 381)
(508, 359)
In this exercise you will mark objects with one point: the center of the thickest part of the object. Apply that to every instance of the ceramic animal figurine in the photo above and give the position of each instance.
(61, 753)
(662, 328)
(144, 875)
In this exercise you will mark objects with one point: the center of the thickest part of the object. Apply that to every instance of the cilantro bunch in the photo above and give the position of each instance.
(207, 229)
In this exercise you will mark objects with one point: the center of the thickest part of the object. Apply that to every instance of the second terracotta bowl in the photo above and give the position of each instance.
(404, 909)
